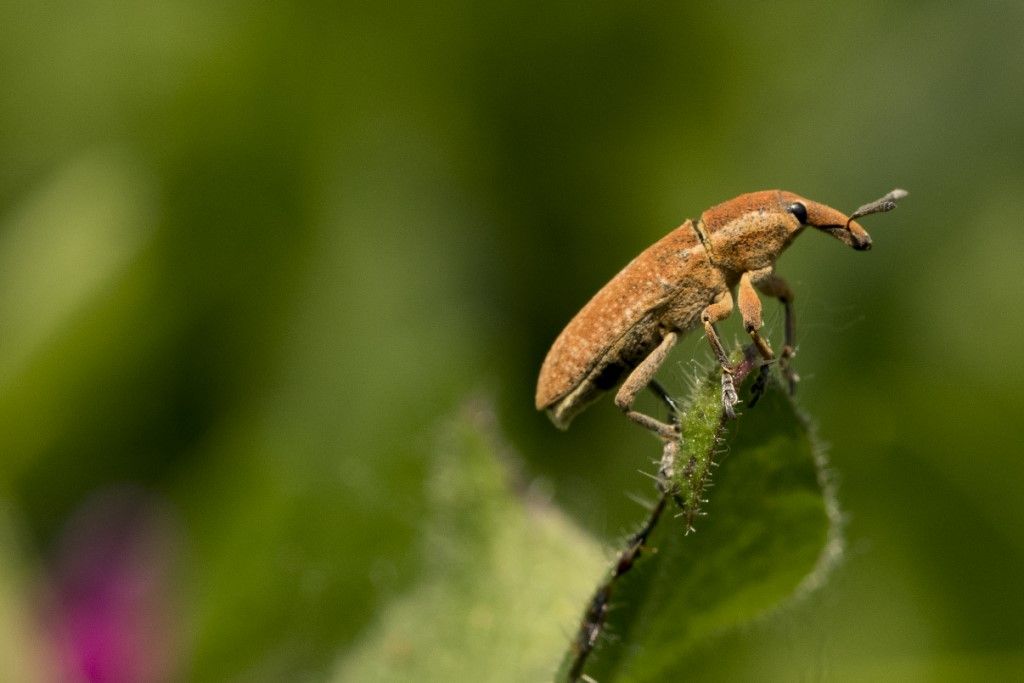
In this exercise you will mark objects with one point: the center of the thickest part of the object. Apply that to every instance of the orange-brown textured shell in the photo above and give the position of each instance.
(649, 281)
(725, 213)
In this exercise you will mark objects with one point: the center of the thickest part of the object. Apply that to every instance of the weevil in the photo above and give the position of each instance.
(689, 279)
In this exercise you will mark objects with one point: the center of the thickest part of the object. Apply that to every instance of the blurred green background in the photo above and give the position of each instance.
(251, 255)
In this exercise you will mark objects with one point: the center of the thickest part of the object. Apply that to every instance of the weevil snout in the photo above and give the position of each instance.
(859, 237)
(846, 229)
(848, 232)
(834, 223)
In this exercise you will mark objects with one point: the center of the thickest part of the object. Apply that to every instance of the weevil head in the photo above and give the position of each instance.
(750, 231)
(804, 213)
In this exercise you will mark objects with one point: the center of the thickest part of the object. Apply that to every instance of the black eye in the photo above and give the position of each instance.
(798, 210)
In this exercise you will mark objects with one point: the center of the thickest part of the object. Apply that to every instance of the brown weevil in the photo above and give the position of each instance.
(686, 280)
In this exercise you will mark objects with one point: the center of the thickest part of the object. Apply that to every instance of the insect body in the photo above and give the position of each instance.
(687, 280)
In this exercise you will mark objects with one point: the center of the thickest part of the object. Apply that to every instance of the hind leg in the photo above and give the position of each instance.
(641, 377)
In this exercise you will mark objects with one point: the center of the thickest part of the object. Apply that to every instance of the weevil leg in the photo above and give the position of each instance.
(760, 384)
(750, 310)
(667, 468)
(659, 391)
(641, 377)
(717, 311)
(770, 284)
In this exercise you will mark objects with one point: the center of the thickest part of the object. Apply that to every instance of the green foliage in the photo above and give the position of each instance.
(503, 577)
(22, 658)
(701, 425)
(251, 252)
(769, 527)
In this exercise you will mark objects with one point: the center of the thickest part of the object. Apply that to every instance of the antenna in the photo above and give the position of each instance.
(886, 203)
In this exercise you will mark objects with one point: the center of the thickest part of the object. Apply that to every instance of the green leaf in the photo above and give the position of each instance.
(24, 655)
(768, 530)
(504, 575)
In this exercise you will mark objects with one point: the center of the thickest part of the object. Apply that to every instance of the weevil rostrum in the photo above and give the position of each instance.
(689, 279)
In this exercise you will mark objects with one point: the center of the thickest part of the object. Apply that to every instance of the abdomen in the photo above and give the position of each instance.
(620, 325)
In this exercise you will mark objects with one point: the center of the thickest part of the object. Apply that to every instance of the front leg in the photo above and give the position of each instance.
(750, 310)
(770, 284)
(717, 311)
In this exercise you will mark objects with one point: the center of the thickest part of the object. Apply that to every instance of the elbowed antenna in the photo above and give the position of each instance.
(886, 203)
